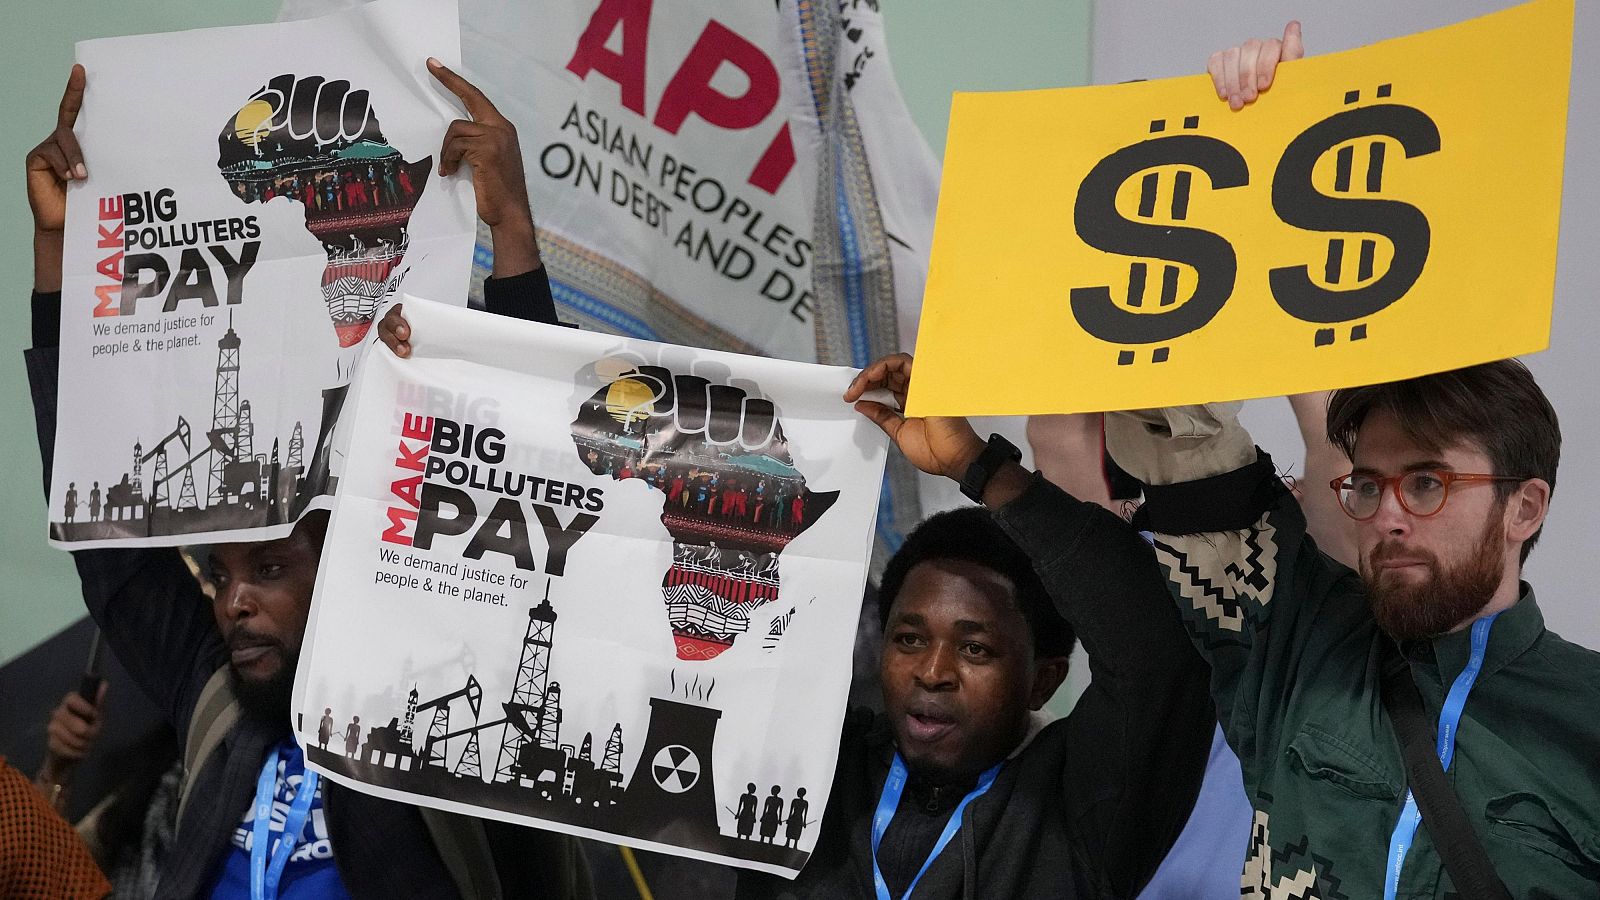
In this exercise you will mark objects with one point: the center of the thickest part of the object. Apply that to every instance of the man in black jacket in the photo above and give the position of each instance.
(961, 790)
(957, 791)
(156, 619)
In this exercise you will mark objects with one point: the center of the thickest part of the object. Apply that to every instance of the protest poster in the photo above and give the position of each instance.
(734, 176)
(1378, 214)
(593, 584)
(225, 257)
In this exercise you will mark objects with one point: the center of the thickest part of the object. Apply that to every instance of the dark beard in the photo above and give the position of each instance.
(267, 700)
(1451, 596)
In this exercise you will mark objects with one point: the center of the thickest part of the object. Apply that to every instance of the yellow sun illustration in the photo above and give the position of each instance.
(253, 122)
(625, 398)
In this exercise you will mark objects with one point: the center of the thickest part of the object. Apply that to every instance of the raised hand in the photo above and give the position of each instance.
(488, 142)
(1241, 73)
(938, 445)
(56, 161)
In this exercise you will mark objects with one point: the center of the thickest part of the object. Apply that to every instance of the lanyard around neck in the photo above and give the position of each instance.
(1444, 744)
(889, 801)
(264, 877)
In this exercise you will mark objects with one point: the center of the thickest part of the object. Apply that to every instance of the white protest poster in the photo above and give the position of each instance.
(593, 584)
(738, 176)
(254, 194)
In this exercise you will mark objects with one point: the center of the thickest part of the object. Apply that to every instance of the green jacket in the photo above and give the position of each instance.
(1295, 658)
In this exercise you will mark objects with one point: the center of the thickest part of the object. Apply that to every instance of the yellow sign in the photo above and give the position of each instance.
(1378, 214)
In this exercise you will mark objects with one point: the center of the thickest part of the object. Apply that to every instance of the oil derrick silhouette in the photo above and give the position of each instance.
(433, 750)
(245, 446)
(672, 795)
(237, 476)
(411, 715)
(533, 699)
(125, 500)
(613, 758)
(158, 485)
(224, 416)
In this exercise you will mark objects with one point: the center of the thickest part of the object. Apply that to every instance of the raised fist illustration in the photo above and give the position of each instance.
(732, 497)
(319, 143)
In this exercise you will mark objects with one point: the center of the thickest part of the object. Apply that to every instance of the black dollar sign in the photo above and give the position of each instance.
(1100, 226)
(1298, 203)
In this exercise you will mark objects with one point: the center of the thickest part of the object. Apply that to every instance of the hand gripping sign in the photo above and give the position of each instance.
(224, 259)
(593, 584)
(1380, 214)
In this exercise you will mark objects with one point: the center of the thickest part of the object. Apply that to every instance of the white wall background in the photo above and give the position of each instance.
(1161, 38)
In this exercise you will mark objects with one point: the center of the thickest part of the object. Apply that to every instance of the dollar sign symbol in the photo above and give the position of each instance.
(1101, 226)
(1299, 203)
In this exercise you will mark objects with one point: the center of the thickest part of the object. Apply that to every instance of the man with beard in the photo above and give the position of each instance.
(190, 654)
(1450, 479)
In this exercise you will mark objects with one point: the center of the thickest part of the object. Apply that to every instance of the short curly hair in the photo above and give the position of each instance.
(971, 535)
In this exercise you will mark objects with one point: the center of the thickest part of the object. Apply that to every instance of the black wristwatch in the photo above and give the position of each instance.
(996, 453)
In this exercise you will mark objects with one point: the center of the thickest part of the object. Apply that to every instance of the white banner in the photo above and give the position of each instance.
(739, 176)
(254, 194)
(593, 584)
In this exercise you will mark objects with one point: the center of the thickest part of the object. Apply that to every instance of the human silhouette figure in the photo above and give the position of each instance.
(746, 816)
(797, 819)
(771, 815)
(325, 728)
(352, 737)
(94, 503)
(72, 500)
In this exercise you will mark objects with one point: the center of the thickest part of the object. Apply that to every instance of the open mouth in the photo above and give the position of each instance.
(928, 726)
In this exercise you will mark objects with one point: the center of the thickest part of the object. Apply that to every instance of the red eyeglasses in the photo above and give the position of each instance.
(1421, 493)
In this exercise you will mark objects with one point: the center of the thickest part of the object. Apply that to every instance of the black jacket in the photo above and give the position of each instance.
(1091, 804)
(161, 628)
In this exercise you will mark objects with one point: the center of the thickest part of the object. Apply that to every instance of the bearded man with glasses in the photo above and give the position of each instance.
(1451, 478)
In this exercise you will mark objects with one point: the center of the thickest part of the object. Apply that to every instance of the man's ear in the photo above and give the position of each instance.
(1048, 673)
(1526, 509)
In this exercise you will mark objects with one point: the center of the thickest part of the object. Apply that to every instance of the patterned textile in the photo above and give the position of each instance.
(40, 855)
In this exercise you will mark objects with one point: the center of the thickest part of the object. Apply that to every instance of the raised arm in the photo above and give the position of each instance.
(1145, 722)
(519, 287)
(1333, 531)
(1070, 451)
(150, 608)
(1253, 591)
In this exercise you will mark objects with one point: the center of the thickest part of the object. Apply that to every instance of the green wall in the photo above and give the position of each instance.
(937, 45)
(38, 590)
(940, 46)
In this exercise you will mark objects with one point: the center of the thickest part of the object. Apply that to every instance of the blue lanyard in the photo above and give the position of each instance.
(1449, 718)
(889, 801)
(263, 877)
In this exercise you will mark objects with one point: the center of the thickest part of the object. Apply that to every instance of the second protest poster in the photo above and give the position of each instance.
(594, 584)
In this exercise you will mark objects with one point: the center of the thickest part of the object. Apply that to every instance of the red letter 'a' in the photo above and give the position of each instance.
(690, 90)
(625, 68)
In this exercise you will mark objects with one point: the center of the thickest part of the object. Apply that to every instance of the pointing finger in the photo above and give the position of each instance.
(478, 105)
(72, 100)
